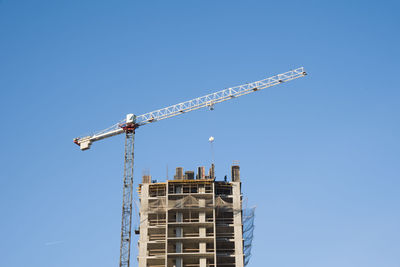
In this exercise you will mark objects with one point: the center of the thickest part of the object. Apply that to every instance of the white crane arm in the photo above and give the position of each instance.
(204, 101)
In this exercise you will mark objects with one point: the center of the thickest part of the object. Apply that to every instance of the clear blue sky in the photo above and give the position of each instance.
(319, 156)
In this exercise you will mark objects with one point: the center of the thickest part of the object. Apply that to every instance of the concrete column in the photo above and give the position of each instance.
(166, 224)
(143, 239)
(235, 173)
(201, 173)
(237, 223)
(179, 173)
(202, 216)
(202, 247)
(202, 189)
(214, 228)
(202, 203)
(202, 232)
(203, 262)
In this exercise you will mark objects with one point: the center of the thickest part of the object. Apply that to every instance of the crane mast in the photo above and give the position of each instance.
(132, 122)
(126, 224)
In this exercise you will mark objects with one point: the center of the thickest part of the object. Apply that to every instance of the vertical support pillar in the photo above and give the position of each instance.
(166, 222)
(144, 225)
(202, 232)
(214, 226)
(237, 224)
(126, 224)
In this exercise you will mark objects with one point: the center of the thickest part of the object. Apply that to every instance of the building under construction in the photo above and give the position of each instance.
(194, 221)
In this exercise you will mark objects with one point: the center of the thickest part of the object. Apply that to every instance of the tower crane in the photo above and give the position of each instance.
(132, 122)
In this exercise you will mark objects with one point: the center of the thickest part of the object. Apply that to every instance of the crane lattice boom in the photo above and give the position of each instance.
(204, 101)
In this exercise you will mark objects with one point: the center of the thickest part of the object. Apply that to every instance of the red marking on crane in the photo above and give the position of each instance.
(129, 127)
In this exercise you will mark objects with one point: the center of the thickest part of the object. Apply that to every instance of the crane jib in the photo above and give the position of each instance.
(204, 101)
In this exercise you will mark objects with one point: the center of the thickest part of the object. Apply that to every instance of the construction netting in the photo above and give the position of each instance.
(190, 202)
(157, 205)
(223, 205)
(248, 232)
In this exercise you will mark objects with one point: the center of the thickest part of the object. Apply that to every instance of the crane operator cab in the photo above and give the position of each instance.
(130, 118)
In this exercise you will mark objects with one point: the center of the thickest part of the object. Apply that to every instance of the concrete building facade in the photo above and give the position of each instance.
(191, 221)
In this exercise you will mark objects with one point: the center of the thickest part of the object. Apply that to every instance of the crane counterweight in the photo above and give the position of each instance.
(84, 143)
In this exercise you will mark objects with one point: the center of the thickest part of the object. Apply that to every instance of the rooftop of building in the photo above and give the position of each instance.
(199, 177)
